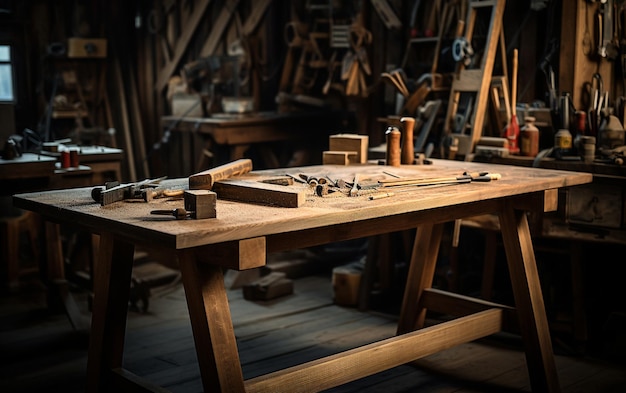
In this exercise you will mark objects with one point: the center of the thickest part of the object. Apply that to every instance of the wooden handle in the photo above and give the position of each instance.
(393, 146)
(408, 145)
(204, 180)
(514, 84)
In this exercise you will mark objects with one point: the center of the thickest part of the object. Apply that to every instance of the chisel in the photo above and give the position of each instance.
(179, 213)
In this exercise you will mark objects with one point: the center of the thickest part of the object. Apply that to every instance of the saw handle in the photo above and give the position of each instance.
(204, 180)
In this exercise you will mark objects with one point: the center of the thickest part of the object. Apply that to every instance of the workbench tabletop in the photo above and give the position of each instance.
(236, 221)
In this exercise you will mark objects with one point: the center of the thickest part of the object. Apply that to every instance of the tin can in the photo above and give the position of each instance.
(563, 141)
(65, 159)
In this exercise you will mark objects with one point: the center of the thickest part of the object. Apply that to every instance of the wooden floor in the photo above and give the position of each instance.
(40, 350)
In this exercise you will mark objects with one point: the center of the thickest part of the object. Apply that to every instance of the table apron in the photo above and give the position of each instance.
(375, 226)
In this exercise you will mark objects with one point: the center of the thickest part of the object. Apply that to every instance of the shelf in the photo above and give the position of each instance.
(424, 40)
(60, 114)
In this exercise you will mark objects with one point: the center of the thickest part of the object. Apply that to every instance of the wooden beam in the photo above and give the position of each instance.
(123, 109)
(357, 363)
(181, 46)
(258, 10)
(459, 305)
(218, 28)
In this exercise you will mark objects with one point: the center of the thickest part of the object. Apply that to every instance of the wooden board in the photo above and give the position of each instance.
(334, 157)
(258, 192)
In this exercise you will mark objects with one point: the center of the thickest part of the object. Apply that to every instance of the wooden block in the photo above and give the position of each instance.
(350, 142)
(204, 180)
(335, 157)
(201, 203)
(258, 192)
(491, 151)
(346, 282)
(86, 47)
(550, 200)
(235, 279)
(237, 254)
(268, 287)
(493, 141)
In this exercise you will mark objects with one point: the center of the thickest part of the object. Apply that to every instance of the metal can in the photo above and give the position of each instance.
(563, 141)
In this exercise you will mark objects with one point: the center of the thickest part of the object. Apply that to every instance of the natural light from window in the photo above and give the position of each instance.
(6, 74)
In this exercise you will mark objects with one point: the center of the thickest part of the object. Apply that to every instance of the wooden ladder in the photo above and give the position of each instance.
(471, 86)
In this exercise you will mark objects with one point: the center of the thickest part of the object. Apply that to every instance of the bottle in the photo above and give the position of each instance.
(529, 138)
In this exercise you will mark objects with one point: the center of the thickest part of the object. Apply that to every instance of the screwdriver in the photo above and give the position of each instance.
(179, 213)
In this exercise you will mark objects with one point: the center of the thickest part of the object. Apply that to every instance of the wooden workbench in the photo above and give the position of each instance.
(243, 234)
(229, 136)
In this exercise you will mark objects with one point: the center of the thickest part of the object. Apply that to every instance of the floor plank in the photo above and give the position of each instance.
(39, 349)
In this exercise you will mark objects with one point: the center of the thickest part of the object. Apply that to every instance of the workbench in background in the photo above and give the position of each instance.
(200, 142)
(592, 212)
(41, 172)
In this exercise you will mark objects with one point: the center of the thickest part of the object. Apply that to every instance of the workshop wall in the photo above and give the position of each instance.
(292, 56)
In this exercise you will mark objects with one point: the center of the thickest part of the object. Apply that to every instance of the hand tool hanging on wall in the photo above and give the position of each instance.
(595, 95)
(608, 47)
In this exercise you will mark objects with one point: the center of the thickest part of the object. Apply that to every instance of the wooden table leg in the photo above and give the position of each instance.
(420, 276)
(238, 151)
(58, 287)
(112, 274)
(528, 299)
(578, 293)
(209, 312)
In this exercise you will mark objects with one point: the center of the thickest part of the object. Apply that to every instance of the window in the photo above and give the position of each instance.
(6, 75)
